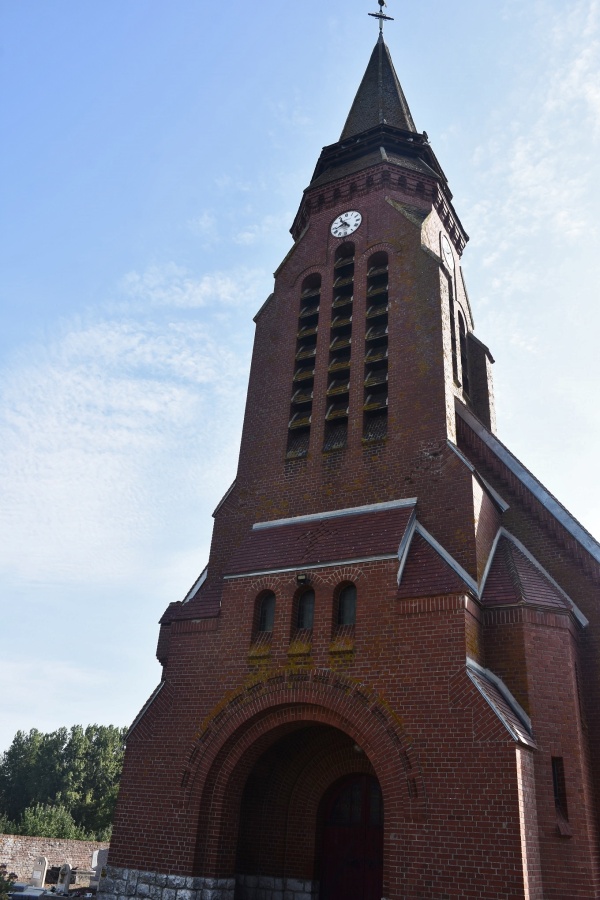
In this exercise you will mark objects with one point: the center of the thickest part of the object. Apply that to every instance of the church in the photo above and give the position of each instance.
(386, 682)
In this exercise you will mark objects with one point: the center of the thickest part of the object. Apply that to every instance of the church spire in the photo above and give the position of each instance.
(380, 99)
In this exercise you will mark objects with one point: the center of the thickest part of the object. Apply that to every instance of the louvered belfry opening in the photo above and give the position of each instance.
(340, 347)
(376, 349)
(304, 373)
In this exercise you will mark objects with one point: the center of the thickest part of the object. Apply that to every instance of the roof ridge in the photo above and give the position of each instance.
(512, 568)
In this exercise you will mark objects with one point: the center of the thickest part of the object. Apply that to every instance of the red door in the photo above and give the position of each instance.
(352, 851)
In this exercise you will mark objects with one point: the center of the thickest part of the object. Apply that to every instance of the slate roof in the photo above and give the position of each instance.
(374, 159)
(326, 539)
(426, 574)
(380, 97)
(504, 705)
(514, 579)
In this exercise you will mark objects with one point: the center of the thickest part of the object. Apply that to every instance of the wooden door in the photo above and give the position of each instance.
(352, 851)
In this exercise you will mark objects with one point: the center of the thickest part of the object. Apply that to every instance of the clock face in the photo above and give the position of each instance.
(346, 224)
(447, 253)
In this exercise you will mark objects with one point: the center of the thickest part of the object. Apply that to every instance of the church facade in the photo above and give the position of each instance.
(385, 684)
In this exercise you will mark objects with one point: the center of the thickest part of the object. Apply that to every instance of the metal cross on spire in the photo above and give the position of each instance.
(381, 16)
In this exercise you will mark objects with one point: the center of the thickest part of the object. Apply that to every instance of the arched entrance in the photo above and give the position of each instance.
(261, 768)
(351, 846)
(309, 803)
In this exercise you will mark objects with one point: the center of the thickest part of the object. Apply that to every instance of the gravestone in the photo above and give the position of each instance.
(38, 876)
(64, 879)
(99, 860)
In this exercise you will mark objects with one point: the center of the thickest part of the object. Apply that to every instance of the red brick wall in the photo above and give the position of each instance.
(414, 460)
(449, 782)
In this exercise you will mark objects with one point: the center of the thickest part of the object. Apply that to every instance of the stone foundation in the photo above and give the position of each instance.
(124, 884)
(262, 887)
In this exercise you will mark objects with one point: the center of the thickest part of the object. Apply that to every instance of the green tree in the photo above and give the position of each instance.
(51, 821)
(18, 770)
(6, 826)
(75, 769)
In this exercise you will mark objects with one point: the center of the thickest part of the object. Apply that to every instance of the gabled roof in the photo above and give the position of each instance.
(335, 537)
(440, 571)
(514, 579)
(513, 576)
(426, 573)
(380, 98)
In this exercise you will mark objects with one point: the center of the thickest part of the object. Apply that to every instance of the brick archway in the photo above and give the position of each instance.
(248, 723)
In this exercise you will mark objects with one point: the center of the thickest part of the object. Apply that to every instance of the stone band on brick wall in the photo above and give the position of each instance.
(123, 884)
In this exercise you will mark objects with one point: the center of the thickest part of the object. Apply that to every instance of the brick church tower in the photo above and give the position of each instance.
(385, 683)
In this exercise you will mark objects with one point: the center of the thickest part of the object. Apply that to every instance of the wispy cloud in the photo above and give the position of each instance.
(105, 430)
(205, 226)
(540, 163)
(262, 230)
(171, 285)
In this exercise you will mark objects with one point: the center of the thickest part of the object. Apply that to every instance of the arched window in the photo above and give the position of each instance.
(346, 612)
(266, 613)
(306, 610)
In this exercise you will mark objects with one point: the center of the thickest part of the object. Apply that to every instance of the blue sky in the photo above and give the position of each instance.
(154, 156)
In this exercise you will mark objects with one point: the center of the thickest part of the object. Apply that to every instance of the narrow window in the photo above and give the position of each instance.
(453, 335)
(306, 610)
(266, 613)
(347, 606)
(464, 353)
(560, 787)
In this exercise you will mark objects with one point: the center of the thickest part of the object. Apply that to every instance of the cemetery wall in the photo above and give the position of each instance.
(19, 852)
